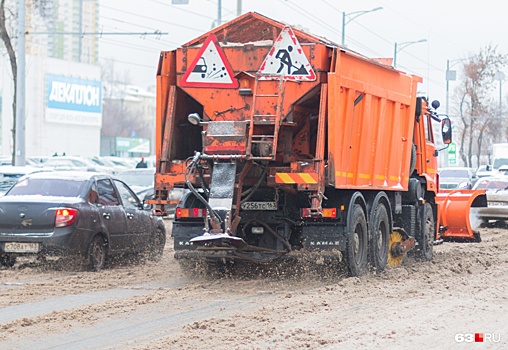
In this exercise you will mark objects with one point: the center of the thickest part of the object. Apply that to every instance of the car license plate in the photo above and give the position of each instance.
(496, 204)
(259, 206)
(15, 247)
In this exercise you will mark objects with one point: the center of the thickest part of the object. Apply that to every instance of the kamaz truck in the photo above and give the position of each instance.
(290, 144)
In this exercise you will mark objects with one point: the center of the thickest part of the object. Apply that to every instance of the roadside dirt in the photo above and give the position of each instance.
(146, 305)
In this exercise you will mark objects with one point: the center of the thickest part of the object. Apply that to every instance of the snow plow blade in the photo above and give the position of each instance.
(455, 215)
(218, 240)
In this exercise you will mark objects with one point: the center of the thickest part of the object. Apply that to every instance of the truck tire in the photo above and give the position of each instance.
(357, 241)
(427, 233)
(379, 237)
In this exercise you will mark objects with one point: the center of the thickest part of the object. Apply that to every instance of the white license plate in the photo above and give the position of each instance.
(14, 247)
(496, 204)
(259, 206)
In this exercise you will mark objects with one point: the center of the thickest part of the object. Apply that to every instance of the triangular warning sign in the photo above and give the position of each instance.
(286, 58)
(210, 68)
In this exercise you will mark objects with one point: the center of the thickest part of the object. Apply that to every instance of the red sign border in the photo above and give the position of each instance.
(233, 84)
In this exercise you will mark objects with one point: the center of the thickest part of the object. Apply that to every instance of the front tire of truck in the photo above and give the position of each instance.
(380, 238)
(427, 233)
(357, 241)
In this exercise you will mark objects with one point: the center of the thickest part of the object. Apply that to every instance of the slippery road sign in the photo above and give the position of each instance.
(286, 58)
(210, 68)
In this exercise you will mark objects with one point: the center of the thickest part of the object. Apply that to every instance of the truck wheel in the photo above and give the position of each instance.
(357, 242)
(96, 254)
(157, 245)
(427, 235)
(380, 237)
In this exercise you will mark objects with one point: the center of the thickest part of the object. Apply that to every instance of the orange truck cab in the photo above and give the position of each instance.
(289, 144)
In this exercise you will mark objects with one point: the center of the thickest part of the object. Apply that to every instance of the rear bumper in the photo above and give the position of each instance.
(493, 213)
(62, 241)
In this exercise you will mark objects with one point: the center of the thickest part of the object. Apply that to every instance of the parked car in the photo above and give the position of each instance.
(456, 177)
(75, 163)
(503, 170)
(141, 180)
(496, 188)
(88, 215)
(9, 174)
(484, 170)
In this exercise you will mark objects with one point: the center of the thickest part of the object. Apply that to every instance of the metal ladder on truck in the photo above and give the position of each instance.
(263, 120)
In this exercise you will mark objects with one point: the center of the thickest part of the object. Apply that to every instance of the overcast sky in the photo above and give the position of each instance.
(453, 30)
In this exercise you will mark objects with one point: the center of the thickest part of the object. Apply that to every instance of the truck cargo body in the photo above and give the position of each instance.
(295, 148)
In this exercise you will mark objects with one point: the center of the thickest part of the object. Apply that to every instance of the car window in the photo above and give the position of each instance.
(454, 173)
(137, 178)
(107, 193)
(93, 195)
(129, 199)
(47, 187)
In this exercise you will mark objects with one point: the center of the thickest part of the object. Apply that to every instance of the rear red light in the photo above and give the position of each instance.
(65, 217)
(190, 213)
(328, 213)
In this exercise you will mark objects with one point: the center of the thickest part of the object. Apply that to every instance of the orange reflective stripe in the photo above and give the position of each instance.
(296, 178)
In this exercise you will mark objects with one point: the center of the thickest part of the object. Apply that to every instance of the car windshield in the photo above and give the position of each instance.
(462, 173)
(47, 187)
(491, 184)
(500, 162)
(137, 179)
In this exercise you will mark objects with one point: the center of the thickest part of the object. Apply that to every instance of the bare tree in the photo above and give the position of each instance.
(476, 103)
(8, 17)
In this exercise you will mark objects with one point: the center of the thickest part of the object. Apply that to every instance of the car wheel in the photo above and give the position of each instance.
(157, 245)
(97, 254)
(7, 260)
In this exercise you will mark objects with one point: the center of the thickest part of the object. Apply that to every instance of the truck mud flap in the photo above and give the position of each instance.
(456, 219)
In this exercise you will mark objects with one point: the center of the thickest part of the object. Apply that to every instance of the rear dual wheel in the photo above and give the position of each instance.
(379, 237)
(357, 241)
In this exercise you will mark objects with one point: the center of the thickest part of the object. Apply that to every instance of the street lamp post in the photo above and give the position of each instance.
(352, 16)
(400, 46)
(500, 76)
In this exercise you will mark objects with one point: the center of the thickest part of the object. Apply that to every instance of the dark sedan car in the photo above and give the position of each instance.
(90, 215)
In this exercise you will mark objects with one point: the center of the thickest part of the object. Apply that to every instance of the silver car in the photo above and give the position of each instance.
(497, 198)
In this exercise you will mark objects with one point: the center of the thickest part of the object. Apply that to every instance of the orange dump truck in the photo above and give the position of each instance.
(289, 144)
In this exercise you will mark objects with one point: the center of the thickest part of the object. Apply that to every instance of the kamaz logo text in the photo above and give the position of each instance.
(324, 243)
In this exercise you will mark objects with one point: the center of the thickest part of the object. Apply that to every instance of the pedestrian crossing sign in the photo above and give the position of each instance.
(210, 68)
(287, 59)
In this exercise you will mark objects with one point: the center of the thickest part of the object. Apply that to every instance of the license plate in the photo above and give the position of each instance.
(496, 204)
(259, 206)
(14, 247)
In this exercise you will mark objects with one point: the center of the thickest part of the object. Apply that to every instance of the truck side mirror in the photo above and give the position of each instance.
(446, 131)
